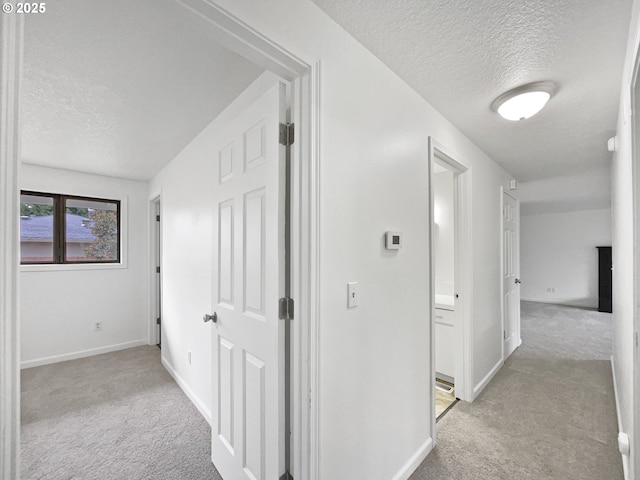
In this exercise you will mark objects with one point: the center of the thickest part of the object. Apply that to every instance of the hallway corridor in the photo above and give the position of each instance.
(549, 413)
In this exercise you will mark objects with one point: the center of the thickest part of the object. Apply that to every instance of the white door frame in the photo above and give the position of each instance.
(305, 77)
(11, 41)
(155, 252)
(463, 273)
(502, 247)
(632, 467)
(634, 461)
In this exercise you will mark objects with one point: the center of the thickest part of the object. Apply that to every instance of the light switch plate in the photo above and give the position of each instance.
(352, 294)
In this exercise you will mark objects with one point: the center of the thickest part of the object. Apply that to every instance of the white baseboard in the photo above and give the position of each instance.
(485, 381)
(202, 408)
(625, 459)
(559, 302)
(80, 354)
(415, 460)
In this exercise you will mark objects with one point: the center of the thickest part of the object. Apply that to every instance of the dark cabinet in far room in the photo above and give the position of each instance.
(605, 277)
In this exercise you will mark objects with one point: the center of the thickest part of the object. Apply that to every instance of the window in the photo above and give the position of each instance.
(68, 229)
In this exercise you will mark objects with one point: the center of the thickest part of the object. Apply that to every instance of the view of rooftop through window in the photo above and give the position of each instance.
(61, 229)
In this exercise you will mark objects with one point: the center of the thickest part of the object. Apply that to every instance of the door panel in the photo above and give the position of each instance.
(511, 266)
(225, 253)
(253, 416)
(225, 393)
(254, 246)
(248, 370)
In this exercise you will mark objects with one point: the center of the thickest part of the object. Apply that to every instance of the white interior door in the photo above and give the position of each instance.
(511, 269)
(248, 355)
(158, 275)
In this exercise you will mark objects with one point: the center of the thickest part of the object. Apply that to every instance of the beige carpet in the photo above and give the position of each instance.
(113, 416)
(549, 413)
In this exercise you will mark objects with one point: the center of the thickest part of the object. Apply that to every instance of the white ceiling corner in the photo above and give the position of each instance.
(118, 88)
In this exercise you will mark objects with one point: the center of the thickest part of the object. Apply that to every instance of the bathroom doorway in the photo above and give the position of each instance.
(449, 244)
(444, 234)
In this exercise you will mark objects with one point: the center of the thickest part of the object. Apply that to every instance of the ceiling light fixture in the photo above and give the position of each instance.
(524, 101)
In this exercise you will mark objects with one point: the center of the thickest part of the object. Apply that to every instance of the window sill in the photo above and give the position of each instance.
(66, 267)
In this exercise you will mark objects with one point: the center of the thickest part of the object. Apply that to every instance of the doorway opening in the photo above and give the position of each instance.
(304, 79)
(445, 305)
(155, 334)
(449, 280)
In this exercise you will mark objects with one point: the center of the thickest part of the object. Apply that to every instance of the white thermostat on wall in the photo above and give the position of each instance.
(393, 240)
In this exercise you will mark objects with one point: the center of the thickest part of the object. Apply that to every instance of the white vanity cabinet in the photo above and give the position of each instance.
(444, 340)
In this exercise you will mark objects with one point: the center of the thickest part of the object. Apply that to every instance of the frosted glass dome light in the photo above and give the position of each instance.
(523, 102)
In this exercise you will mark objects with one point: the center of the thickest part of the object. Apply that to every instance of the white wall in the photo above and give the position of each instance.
(581, 190)
(444, 232)
(60, 304)
(374, 398)
(558, 250)
(623, 254)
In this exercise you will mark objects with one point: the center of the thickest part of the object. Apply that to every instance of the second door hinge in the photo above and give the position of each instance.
(286, 308)
(286, 134)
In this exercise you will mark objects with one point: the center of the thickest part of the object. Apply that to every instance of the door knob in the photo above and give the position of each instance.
(213, 318)
(518, 280)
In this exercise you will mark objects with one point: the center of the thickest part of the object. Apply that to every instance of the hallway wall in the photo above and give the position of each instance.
(557, 250)
(624, 282)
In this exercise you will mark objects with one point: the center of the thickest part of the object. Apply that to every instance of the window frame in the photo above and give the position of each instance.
(60, 233)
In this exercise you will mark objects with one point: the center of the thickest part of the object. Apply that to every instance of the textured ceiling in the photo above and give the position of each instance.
(119, 87)
(460, 55)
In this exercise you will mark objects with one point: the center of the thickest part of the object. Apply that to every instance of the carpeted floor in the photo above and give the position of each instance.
(113, 416)
(549, 413)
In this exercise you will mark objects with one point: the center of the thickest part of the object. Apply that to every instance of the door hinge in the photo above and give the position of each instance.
(504, 334)
(158, 320)
(286, 308)
(286, 134)
(157, 218)
(636, 339)
(157, 269)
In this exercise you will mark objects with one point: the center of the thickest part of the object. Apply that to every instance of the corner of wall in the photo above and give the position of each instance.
(414, 462)
(625, 458)
(477, 390)
(200, 405)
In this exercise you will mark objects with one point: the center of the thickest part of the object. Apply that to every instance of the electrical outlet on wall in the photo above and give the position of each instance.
(97, 326)
(352, 294)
